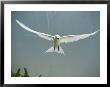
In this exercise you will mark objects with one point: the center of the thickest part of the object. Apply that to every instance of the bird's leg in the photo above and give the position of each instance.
(58, 48)
(54, 48)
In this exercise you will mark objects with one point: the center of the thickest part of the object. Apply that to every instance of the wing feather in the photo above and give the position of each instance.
(42, 35)
(73, 38)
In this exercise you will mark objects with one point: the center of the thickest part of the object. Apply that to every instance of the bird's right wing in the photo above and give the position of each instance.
(42, 35)
(73, 38)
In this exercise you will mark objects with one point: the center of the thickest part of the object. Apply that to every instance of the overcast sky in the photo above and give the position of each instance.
(81, 59)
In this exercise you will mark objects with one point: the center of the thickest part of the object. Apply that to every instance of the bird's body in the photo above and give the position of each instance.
(57, 39)
(56, 42)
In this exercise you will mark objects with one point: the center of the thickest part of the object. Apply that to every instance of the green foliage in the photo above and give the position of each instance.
(40, 75)
(19, 74)
(25, 73)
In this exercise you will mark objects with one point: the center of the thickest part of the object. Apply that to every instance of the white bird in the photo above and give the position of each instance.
(57, 39)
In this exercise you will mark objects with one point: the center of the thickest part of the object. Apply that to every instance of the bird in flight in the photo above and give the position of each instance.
(57, 39)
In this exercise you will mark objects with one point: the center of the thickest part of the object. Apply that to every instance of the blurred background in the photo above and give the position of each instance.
(81, 59)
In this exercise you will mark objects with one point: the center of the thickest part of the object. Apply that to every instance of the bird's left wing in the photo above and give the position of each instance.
(42, 35)
(73, 38)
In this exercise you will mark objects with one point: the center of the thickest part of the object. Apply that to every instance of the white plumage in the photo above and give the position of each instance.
(73, 38)
(57, 39)
(42, 35)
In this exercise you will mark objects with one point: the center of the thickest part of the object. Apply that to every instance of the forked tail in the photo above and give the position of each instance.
(56, 50)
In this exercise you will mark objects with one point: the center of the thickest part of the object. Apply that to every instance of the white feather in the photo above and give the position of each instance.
(73, 38)
(42, 35)
(50, 50)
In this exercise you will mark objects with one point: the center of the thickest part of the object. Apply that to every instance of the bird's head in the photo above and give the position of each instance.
(57, 36)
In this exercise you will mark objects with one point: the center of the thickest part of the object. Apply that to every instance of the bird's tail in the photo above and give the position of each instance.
(50, 50)
(56, 50)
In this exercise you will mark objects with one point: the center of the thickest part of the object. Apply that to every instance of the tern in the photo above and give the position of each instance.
(57, 39)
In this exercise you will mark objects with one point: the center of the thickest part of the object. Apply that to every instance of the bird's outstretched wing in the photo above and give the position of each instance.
(42, 35)
(73, 38)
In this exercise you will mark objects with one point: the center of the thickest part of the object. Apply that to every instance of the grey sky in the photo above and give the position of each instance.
(82, 58)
